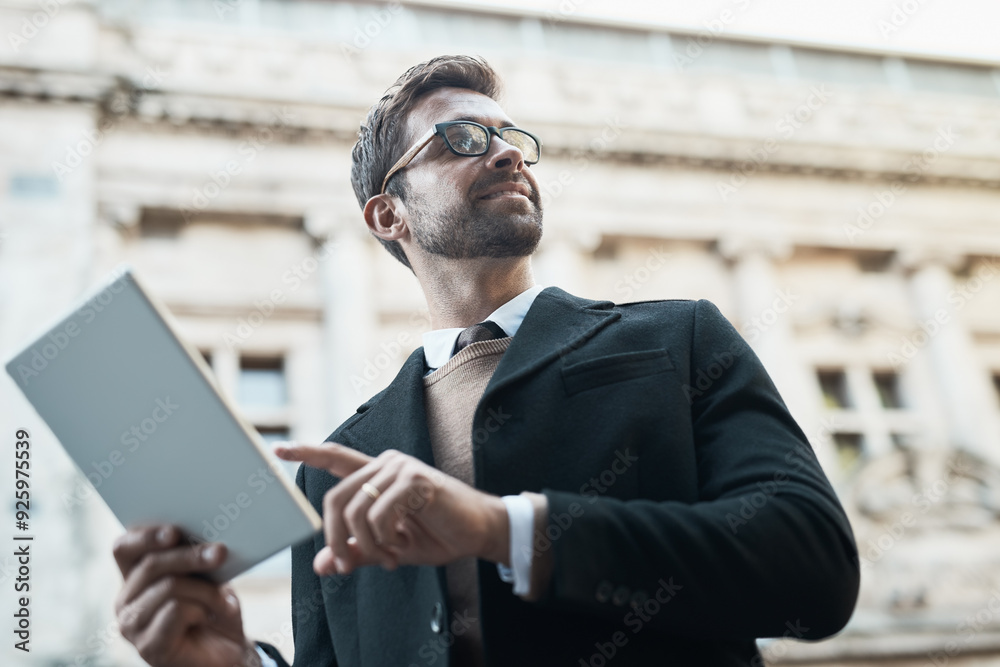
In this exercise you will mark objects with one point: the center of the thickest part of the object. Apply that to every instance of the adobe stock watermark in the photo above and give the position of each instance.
(224, 7)
(384, 359)
(230, 512)
(633, 282)
(751, 504)
(722, 360)
(929, 496)
(34, 24)
(901, 14)
(132, 438)
(102, 639)
(637, 619)
(785, 127)
(8, 568)
(294, 277)
(592, 489)
(596, 486)
(882, 200)
(45, 353)
(783, 301)
(120, 107)
(581, 160)
(435, 648)
(565, 10)
(714, 28)
(248, 150)
(705, 377)
(823, 437)
(370, 31)
(985, 618)
(803, 455)
(911, 344)
(775, 648)
(389, 352)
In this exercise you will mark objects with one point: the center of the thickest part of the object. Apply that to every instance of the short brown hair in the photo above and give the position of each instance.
(384, 129)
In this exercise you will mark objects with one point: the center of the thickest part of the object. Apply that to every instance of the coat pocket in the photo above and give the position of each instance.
(614, 368)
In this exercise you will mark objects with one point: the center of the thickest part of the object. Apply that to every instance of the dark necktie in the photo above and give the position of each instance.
(483, 331)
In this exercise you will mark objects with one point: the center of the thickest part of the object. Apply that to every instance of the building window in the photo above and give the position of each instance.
(833, 384)
(849, 449)
(871, 416)
(262, 382)
(271, 434)
(887, 384)
(902, 441)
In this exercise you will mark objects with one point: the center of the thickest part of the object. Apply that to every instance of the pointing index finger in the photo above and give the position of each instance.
(339, 459)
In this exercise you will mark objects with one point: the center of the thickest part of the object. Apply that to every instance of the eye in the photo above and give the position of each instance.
(523, 142)
(467, 139)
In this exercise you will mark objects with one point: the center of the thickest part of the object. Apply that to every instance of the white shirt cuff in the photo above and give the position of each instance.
(521, 515)
(265, 659)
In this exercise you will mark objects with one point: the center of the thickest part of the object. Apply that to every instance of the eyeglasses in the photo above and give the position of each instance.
(468, 139)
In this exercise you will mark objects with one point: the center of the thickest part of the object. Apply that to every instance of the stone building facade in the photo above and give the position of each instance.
(839, 206)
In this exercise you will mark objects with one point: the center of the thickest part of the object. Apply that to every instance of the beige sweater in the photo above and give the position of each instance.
(452, 393)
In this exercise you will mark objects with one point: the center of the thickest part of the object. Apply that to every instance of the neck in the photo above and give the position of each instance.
(462, 292)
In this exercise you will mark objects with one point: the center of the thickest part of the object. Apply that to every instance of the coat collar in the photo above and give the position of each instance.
(556, 323)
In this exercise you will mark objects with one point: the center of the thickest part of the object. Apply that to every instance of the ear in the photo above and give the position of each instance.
(385, 216)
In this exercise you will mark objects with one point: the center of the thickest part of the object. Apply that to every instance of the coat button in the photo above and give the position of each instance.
(604, 589)
(437, 616)
(620, 596)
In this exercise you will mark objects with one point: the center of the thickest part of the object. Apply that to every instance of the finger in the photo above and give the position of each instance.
(135, 616)
(335, 526)
(167, 630)
(324, 564)
(180, 560)
(399, 510)
(136, 542)
(402, 501)
(339, 459)
(385, 512)
(358, 514)
(230, 621)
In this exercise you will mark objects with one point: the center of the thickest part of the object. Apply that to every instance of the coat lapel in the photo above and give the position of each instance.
(556, 323)
(397, 420)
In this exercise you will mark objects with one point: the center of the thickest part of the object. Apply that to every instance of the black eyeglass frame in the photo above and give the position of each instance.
(440, 130)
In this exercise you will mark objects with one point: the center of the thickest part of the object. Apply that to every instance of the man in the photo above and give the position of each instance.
(549, 480)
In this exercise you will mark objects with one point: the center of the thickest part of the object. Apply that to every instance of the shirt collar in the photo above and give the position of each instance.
(439, 343)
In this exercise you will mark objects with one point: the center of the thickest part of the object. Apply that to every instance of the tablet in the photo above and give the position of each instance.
(140, 414)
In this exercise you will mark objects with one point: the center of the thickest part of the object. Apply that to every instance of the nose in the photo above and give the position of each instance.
(504, 155)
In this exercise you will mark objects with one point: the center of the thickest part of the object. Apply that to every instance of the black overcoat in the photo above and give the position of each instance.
(688, 512)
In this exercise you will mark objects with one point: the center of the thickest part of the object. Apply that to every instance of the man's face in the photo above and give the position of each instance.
(462, 207)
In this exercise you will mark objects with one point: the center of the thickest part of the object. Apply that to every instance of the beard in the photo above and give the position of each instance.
(482, 228)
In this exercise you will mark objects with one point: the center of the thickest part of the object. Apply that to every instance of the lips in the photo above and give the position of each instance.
(506, 190)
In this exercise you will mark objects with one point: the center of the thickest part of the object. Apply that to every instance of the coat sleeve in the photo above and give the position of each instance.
(765, 550)
(310, 631)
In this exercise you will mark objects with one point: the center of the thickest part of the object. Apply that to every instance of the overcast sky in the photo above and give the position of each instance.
(963, 28)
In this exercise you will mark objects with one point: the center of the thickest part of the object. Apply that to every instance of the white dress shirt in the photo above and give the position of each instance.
(438, 346)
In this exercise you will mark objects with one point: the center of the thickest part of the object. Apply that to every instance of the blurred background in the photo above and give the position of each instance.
(826, 173)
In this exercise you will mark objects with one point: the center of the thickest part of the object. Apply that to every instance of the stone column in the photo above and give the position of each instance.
(963, 385)
(765, 308)
(348, 308)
